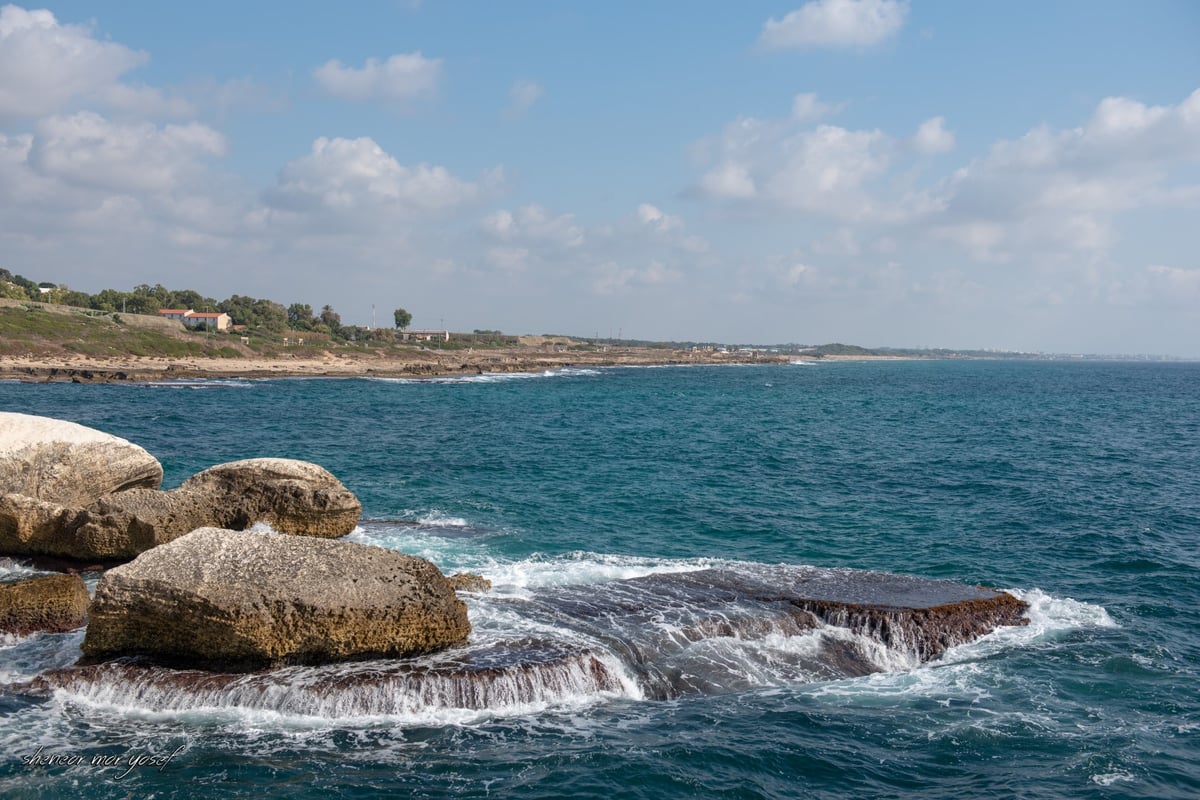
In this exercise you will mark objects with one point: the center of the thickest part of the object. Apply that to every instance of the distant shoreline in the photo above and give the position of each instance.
(418, 364)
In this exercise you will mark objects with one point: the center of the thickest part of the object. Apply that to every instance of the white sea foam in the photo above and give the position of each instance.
(13, 570)
(1109, 778)
(580, 567)
(437, 518)
(494, 377)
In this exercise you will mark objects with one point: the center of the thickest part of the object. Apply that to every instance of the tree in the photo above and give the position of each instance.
(300, 317)
(403, 318)
(331, 318)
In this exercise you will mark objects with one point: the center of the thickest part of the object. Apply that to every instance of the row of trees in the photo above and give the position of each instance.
(265, 316)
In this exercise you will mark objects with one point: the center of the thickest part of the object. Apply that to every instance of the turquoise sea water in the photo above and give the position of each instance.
(1074, 485)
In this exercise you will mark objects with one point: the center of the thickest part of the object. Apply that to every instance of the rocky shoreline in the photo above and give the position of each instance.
(334, 364)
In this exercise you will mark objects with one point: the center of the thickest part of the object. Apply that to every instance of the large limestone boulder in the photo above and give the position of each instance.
(54, 603)
(232, 600)
(61, 462)
(292, 496)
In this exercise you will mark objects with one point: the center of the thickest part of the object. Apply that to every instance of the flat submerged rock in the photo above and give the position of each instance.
(655, 637)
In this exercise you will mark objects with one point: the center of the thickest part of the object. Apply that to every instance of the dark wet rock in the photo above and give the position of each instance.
(695, 632)
(235, 600)
(53, 603)
(479, 679)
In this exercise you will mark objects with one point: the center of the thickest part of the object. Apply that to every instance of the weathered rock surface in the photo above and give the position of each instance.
(292, 496)
(54, 603)
(69, 464)
(36, 518)
(469, 582)
(237, 601)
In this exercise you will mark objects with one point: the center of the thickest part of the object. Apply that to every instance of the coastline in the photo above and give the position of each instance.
(331, 364)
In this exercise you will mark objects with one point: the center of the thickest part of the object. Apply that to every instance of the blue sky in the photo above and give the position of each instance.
(1017, 175)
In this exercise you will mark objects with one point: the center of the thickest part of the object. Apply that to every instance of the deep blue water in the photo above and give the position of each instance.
(1074, 485)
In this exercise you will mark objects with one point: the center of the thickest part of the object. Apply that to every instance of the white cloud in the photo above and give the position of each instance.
(400, 78)
(522, 96)
(729, 180)
(350, 177)
(823, 170)
(836, 23)
(646, 249)
(807, 108)
(1060, 191)
(932, 137)
(44, 66)
(612, 277)
(534, 224)
(87, 149)
(1179, 284)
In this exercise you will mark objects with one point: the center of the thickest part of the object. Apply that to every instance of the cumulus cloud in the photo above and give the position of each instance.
(356, 180)
(44, 65)
(521, 98)
(788, 166)
(88, 149)
(807, 108)
(932, 137)
(535, 224)
(612, 277)
(1061, 190)
(836, 23)
(400, 78)
(648, 248)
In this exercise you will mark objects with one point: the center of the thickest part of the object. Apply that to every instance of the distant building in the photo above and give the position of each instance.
(213, 320)
(425, 336)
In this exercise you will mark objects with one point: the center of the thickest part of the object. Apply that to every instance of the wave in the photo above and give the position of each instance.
(578, 630)
(196, 383)
(495, 377)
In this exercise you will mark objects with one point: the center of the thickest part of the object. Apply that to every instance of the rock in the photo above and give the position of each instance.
(68, 464)
(29, 525)
(54, 603)
(469, 582)
(120, 526)
(292, 496)
(221, 599)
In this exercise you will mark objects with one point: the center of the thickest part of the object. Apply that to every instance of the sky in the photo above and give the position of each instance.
(1018, 175)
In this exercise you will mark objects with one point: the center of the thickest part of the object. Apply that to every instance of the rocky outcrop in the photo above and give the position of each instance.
(237, 601)
(54, 603)
(56, 498)
(292, 496)
(469, 582)
(68, 464)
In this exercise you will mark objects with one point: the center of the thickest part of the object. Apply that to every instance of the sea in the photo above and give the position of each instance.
(600, 492)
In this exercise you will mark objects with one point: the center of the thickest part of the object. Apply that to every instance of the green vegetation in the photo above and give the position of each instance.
(32, 330)
(256, 316)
